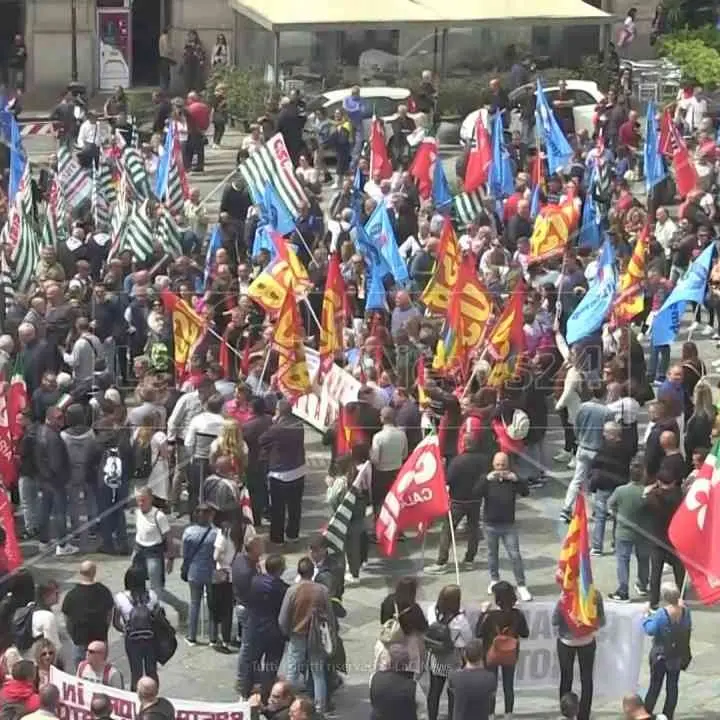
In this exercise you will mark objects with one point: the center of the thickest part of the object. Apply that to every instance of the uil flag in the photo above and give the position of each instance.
(574, 575)
(695, 530)
(418, 495)
(379, 160)
(478, 164)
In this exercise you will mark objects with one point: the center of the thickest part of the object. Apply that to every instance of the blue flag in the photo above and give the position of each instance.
(442, 198)
(654, 165)
(535, 202)
(275, 212)
(163, 168)
(375, 290)
(501, 174)
(17, 160)
(590, 236)
(690, 288)
(380, 231)
(213, 246)
(557, 147)
(590, 314)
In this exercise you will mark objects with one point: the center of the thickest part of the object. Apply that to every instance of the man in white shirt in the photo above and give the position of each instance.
(88, 140)
(201, 432)
(693, 110)
(665, 231)
(97, 669)
(387, 454)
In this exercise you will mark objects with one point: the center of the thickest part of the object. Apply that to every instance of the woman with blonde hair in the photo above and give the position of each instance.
(45, 656)
(230, 443)
(699, 427)
(152, 458)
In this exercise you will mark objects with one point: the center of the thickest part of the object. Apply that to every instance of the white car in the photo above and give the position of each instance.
(585, 93)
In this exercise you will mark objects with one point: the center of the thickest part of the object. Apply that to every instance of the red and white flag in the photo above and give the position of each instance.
(695, 530)
(672, 145)
(418, 495)
(379, 159)
(421, 168)
(479, 159)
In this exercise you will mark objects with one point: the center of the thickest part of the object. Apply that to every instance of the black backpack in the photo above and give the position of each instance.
(143, 461)
(139, 625)
(438, 638)
(675, 644)
(164, 634)
(22, 634)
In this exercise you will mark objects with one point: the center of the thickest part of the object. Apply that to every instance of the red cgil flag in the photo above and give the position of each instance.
(672, 145)
(695, 530)
(379, 160)
(418, 495)
(13, 553)
(479, 159)
(421, 168)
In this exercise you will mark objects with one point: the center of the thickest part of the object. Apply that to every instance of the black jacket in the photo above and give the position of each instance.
(653, 452)
(465, 475)
(662, 503)
(499, 497)
(161, 709)
(51, 457)
(265, 597)
(392, 696)
(283, 444)
(610, 467)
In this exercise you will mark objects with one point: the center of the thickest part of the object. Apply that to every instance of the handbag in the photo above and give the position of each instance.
(188, 560)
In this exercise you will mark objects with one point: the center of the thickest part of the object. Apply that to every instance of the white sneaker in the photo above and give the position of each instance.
(707, 331)
(523, 595)
(351, 580)
(571, 464)
(491, 586)
(436, 569)
(67, 549)
(562, 456)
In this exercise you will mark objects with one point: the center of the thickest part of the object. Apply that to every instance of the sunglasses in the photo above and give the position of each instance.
(47, 653)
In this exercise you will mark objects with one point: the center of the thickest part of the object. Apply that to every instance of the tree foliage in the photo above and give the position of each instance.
(696, 53)
(245, 90)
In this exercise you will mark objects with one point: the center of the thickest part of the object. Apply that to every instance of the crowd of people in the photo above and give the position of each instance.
(110, 421)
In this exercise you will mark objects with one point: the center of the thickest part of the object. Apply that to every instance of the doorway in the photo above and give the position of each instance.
(11, 23)
(147, 19)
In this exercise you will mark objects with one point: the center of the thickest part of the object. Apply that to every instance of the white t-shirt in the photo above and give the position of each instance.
(114, 676)
(124, 605)
(150, 527)
(159, 475)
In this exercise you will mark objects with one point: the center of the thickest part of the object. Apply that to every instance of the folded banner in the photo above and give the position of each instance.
(77, 694)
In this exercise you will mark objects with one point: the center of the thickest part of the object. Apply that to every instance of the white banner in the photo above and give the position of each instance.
(320, 407)
(620, 649)
(76, 696)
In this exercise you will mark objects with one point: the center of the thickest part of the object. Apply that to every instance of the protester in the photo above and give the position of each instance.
(394, 692)
(473, 688)
(49, 704)
(152, 705)
(96, 667)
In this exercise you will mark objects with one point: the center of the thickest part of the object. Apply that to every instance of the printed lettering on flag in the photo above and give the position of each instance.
(272, 164)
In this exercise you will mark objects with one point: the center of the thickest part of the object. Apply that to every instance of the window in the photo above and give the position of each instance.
(580, 97)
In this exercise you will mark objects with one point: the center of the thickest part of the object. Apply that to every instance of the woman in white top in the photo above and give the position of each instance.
(448, 611)
(628, 30)
(151, 444)
(220, 54)
(567, 405)
(130, 617)
(308, 174)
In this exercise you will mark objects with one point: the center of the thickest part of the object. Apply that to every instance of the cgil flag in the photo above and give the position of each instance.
(595, 305)
(380, 164)
(418, 496)
(188, 328)
(12, 549)
(690, 288)
(421, 167)
(630, 300)
(578, 602)
(695, 530)
(332, 316)
(479, 160)
(673, 145)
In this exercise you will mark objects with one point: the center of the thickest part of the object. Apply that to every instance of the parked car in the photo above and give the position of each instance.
(585, 93)
(381, 102)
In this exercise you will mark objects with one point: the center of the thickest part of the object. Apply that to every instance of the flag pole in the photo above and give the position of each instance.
(266, 362)
(685, 584)
(454, 547)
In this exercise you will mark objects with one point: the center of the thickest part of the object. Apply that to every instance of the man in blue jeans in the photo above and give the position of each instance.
(632, 533)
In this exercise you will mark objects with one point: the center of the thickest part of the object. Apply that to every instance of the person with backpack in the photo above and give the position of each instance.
(96, 667)
(198, 544)
(670, 628)
(151, 453)
(445, 641)
(306, 605)
(500, 629)
(133, 617)
(53, 468)
(18, 696)
(113, 482)
(83, 453)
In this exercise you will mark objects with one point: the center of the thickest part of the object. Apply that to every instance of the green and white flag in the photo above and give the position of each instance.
(133, 165)
(169, 234)
(138, 235)
(468, 206)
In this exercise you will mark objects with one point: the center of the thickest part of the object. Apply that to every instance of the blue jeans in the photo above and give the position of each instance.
(583, 460)
(659, 362)
(300, 661)
(53, 503)
(28, 489)
(600, 509)
(243, 670)
(508, 535)
(154, 560)
(623, 551)
(196, 598)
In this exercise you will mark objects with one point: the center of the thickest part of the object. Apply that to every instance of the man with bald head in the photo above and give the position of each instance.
(152, 706)
(88, 609)
(101, 707)
(36, 356)
(49, 702)
(98, 669)
(402, 312)
(519, 225)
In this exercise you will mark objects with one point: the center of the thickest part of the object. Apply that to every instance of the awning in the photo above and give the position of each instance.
(321, 15)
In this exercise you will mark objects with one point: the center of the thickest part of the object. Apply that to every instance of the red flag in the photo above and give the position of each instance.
(672, 144)
(479, 159)
(416, 498)
(8, 464)
(379, 160)
(421, 168)
(224, 355)
(695, 530)
(13, 553)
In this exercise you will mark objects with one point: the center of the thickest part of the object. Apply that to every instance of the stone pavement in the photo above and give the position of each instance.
(188, 674)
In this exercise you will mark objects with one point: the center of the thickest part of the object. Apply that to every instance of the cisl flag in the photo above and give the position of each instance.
(416, 498)
(695, 530)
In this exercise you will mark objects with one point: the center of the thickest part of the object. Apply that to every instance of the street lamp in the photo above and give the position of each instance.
(73, 41)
